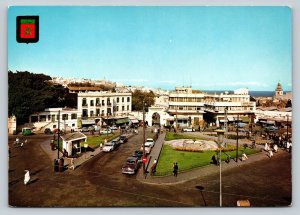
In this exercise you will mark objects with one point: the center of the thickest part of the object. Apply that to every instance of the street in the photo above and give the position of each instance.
(99, 181)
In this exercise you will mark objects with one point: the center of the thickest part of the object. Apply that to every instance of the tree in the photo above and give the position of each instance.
(29, 93)
(138, 97)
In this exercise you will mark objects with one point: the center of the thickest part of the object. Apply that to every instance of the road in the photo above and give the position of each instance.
(99, 182)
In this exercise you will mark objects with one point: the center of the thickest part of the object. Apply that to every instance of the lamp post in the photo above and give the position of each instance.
(220, 141)
(144, 136)
(58, 134)
(287, 127)
(237, 138)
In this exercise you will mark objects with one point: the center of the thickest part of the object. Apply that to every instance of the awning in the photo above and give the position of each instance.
(122, 121)
(88, 122)
(245, 119)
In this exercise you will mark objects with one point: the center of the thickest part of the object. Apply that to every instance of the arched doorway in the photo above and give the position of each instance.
(156, 119)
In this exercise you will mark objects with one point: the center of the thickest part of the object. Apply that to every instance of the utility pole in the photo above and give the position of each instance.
(225, 126)
(58, 134)
(237, 137)
(144, 136)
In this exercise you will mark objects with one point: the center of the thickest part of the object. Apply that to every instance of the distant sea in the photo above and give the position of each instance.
(252, 93)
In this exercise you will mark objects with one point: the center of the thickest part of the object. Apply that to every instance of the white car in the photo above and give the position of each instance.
(147, 149)
(106, 131)
(188, 129)
(108, 147)
(149, 142)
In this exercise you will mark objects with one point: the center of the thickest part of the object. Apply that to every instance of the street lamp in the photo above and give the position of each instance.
(220, 142)
(144, 136)
(287, 127)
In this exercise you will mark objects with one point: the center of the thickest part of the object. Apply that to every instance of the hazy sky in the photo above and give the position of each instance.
(209, 48)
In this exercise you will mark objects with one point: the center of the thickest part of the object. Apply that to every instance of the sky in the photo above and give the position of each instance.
(208, 48)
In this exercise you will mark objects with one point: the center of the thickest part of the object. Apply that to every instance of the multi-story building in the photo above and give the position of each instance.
(103, 106)
(186, 105)
(49, 119)
(189, 107)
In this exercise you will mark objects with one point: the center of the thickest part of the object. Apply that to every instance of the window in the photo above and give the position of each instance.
(54, 126)
(123, 108)
(73, 125)
(117, 108)
(84, 102)
(73, 116)
(128, 99)
(127, 107)
(97, 102)
(122, 99)
(91, 113)
(49, 117)
(65, 117)
(118, 100)
(97, 112)
(103, 103)
(92, 103)
(84, 113)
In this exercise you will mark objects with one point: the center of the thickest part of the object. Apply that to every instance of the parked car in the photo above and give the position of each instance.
(110, 146)
(149, 142)
(47, 131)
(147, 149)
(123, 139)
(131, 166)
(272, 128)
(188, 129)
(138, 154)
(106, 131)
(84, 129)
(114, 127)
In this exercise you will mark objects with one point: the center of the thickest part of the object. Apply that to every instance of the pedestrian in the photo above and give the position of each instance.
(101, 146)
(175, 171)
(26, 141)
(22, 145)
(26, 177)
(155, 161)
(17, 140)
(275, 148)
(270, 153)
(72, 164)
(244, 157)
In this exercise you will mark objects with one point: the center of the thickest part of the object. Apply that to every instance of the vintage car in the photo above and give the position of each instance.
(131, 166)
(110, 146)
(188, 129)
(149, 142)
(138, 154)
(123, 139)
(106, 131)
(147, 149)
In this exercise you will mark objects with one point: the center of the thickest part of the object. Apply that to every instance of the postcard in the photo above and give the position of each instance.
(150, 106)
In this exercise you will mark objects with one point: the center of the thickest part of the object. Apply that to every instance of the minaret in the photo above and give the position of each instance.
(278, 91)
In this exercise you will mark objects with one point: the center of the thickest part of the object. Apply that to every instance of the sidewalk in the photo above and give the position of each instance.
(155, 152)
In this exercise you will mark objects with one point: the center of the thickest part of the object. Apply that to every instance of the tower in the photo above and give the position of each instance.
(278, 91)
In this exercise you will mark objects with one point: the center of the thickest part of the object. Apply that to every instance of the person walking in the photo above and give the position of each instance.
(26, 177)
(72, 164)
(175, 169)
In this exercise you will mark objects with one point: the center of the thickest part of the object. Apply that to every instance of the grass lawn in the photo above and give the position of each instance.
(189, 160)
(93, 141)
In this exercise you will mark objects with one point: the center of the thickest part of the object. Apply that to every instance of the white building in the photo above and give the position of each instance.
(190, 107)
(101, 106)
(49, 119)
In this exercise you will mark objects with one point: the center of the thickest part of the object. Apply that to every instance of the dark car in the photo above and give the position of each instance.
(138, 154)
(131, 166)
(48, 131)
(84, 129)
(123, 139)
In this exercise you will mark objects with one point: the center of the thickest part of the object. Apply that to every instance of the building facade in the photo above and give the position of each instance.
(49, 118)
(192, 107)
(103, 105)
